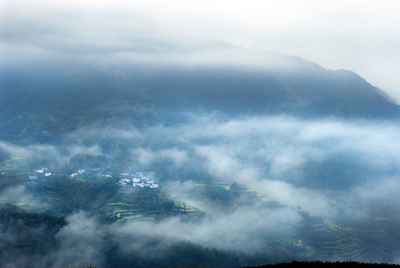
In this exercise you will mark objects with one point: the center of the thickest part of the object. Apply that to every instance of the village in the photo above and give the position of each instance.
(42, 172)
(137, 179)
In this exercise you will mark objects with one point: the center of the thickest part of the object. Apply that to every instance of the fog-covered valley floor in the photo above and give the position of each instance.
(306, 189)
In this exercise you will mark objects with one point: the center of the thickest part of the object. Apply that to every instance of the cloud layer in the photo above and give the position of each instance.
(296, 162)
(342, 171)
(336, 34)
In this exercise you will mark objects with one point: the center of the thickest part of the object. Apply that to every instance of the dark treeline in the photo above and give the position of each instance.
(29, 237)
(320, 264)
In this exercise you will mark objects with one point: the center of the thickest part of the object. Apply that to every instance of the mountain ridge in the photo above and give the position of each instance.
(61, 98)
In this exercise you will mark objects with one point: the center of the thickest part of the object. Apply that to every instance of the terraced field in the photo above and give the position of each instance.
(123, 211)
(316, 239)
(225, 185)
(145, 204)
(331, 242)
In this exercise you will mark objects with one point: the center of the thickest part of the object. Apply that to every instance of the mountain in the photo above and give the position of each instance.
(41, 101)
(258, 158)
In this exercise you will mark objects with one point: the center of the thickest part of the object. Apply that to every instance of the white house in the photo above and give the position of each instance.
(121, 183)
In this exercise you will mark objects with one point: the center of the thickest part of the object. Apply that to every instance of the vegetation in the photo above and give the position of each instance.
(62, 195)
(78, 112)
(320, 264)
(34, 111)
(26, 234)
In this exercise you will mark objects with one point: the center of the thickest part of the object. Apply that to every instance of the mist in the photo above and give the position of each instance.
(362, 38)
(338, 170)
(302, 158)
(219, 103)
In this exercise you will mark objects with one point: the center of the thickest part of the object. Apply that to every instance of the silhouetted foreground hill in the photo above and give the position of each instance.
(315, 264)
(320, 264)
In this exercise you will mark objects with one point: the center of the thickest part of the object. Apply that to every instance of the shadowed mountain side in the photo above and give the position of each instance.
(310, 93)
(47, 100)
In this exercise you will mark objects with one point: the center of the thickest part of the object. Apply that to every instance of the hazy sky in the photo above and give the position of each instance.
(363, 36)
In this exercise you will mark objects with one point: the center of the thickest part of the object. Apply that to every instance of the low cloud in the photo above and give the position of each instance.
(41, 154)
(221, 232)
(381, 192)
(146, 157)
(82, 241)
(329, 168)
(295, 161)
(16, 195)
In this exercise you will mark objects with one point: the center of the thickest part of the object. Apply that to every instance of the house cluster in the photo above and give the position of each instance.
(80, 172)
(39, 172)
(138, 180)
(42, 170)
(122, 182)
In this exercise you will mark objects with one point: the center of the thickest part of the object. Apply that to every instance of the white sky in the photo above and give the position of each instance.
(362, 36)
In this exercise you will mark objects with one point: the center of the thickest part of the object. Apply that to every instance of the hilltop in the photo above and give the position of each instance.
(43, 103)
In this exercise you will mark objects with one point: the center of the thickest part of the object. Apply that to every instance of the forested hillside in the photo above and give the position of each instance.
(141, 165)
(43, 103)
